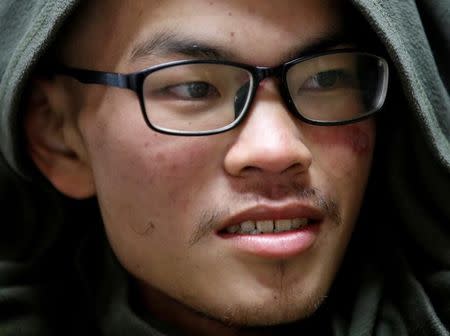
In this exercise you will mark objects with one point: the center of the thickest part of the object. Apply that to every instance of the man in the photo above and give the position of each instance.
(233, 151)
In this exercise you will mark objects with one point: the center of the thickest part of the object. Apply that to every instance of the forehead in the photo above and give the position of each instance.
(108, 32)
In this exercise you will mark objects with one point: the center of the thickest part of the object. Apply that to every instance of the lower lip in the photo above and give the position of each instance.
(275, 245)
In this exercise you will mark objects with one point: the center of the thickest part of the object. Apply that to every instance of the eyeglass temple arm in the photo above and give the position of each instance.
(97, 77)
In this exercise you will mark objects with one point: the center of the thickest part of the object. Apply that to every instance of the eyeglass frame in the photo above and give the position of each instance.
(135, 82)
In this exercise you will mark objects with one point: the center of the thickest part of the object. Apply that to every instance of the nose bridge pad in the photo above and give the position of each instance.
(266, 72)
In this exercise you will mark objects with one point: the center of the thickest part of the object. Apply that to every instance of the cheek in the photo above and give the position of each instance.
(179, 165)
(143, 177)
(342, 150)
(342, 158)
(357, 139)
(160, 166)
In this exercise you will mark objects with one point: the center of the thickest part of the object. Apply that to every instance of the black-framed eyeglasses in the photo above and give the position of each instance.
(204, 97)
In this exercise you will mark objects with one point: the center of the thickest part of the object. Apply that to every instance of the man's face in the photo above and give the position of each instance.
(167, 201)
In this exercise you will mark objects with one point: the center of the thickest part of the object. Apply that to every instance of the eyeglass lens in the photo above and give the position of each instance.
(196, 97)
(337, 87)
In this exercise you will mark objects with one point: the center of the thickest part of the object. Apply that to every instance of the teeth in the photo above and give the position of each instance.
(282, 225)
(248, 227)
(268, 226)
(265, 226)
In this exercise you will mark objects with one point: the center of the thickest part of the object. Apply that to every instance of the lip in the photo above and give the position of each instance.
(275, 245)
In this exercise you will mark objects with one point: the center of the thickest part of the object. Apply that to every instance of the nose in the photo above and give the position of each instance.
(269, 140)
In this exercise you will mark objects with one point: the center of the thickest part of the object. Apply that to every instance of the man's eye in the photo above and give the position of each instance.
(192, 90)
(328, 80)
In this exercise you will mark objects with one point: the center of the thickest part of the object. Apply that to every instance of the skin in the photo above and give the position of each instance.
(157, 192)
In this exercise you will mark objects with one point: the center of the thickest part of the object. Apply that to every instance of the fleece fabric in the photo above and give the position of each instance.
(58, 275)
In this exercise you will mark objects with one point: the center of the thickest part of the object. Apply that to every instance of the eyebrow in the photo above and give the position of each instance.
(167, 43)
(320, 43)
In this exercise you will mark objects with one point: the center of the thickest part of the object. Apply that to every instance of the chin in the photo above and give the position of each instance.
(275, 311)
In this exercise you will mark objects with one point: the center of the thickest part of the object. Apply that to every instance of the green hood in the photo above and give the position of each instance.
(396, 277)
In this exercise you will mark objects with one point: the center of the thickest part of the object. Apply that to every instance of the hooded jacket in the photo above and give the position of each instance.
(59, 277)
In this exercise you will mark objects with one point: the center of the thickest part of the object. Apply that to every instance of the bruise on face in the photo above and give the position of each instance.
(358, 140)
(358, 137)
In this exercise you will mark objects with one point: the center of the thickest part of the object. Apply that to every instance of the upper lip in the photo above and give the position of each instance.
(268, 212)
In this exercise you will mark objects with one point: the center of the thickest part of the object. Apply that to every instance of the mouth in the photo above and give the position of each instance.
(273, 232)
(270, 226)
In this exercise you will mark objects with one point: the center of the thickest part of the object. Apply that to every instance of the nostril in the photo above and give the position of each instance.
(291, 169)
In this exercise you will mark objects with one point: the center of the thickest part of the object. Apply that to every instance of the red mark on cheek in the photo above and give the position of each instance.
(359, 141)
(358, 138)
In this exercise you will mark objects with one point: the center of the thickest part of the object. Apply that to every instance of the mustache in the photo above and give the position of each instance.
(210, 220)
